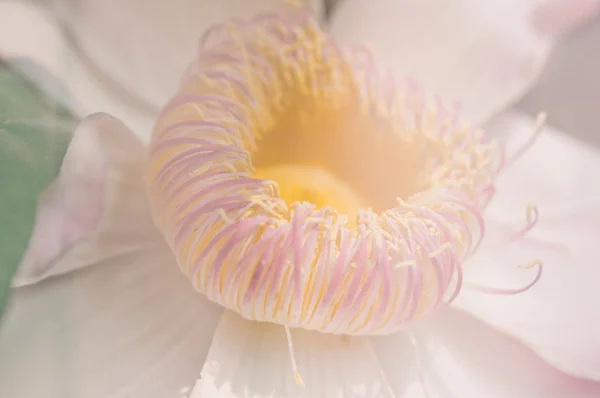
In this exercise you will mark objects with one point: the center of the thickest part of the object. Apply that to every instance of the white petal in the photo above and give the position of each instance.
(96, 208)
(558, 317)
(460, 357)
(398, 359)
(132, 326)
(249, 359)
(145, 45)
(484, 54)
(28, 34)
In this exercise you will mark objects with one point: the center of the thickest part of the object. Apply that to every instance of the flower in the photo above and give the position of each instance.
(212, 196)
(274, 105)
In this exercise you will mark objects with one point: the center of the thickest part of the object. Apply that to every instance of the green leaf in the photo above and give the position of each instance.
(34, 134)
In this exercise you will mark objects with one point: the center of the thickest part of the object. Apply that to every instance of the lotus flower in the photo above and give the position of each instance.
(345, 233)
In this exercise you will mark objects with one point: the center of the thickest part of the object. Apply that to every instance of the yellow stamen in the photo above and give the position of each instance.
(313, 185)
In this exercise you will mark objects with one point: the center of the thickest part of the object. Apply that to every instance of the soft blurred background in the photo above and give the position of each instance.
(569, 88)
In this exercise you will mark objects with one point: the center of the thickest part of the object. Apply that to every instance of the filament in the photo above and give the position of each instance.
(540, 123)
(290, 345)
(510, 291)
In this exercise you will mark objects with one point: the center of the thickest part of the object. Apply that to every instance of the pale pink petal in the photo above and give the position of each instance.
(483, 54)
(96, 207)
(131, 325)
(144, 46)
(559, 316)
(460, 357)
(558, 16)
(251, 360)
(28, 34)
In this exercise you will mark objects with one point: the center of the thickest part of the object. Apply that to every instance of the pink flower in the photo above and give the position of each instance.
(372, 232)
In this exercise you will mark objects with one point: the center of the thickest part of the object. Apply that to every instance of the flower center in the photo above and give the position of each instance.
(297, 185)
(314, 185)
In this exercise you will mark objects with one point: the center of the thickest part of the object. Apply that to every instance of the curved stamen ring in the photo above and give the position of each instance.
(274, 108)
